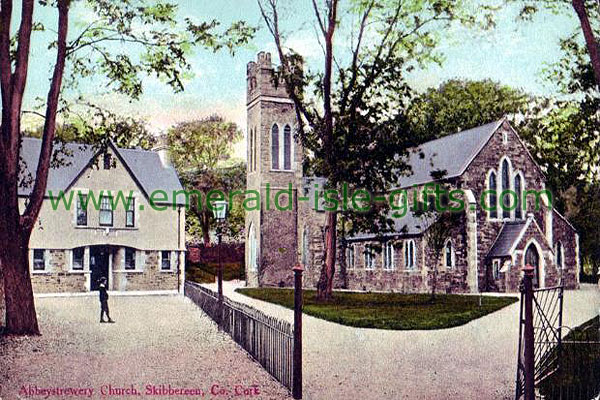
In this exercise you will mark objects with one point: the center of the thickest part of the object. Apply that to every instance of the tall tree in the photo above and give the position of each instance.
(588, 14)
(458, 105)
(152, 43)
(200, 150)
(349, 111)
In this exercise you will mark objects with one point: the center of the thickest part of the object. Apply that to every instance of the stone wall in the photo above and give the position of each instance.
(151, 277)
(564, 233)
(57, 278)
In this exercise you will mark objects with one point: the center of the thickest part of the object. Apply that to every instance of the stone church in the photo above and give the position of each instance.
(484, 252)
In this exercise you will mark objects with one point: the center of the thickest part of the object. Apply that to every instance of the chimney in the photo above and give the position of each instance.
(162, 149)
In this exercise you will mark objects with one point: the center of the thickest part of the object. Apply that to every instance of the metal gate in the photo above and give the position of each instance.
(549, 366)
(540, 334)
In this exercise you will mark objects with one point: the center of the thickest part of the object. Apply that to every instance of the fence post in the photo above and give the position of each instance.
(220, 277)
(297, 360)
(529, 337)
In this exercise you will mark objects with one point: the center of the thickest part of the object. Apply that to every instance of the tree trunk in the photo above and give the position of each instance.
(588, 33)
(325, 284)
(21, 318)
(205, 225)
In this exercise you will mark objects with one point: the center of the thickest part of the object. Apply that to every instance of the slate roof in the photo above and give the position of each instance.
(509, 234)
(452, 154)
(409, 225)
(145, 167)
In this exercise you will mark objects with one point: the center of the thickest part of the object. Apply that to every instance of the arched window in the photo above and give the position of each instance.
(493, 195)
(305, 243)
(275, 147)
(287, 148)
(532, 257)
(369, 259)
(388, 256)
(448, 254)
(519, 192)
(560, 256)
(251, 150)
(409, 254)
(505, 186)
(252, 251)
(350, 257)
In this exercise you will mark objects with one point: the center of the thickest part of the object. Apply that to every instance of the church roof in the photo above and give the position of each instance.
(509, 234)
(409, 225)
(145, 167)
(451, 154)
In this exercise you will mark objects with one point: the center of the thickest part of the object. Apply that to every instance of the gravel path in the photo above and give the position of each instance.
(157, 340)
(473, 361)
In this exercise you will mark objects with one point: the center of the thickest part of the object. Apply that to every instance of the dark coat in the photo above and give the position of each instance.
(103, 294)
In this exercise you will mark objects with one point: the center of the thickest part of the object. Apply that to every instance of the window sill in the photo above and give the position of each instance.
(167, 271)
(281, 170)
(124, 271)
(37, 272)
(101, 228)
(79, 271)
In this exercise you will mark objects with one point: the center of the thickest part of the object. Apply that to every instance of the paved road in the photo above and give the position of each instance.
(157, 340)
(474, 361)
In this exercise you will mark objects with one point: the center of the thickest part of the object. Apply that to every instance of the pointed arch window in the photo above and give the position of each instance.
(388, 256)
(275, 147)
(409, 254)
(505, 186)
(287, 148)
(448, 254)
(519, 193)
(493, 195)
(251, 150)
(252, 256)
(560, 256)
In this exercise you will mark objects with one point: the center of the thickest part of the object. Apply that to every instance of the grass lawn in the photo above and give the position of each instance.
(388, 310)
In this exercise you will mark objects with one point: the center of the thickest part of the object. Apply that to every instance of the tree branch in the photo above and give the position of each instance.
(37, 194)
(588, 33)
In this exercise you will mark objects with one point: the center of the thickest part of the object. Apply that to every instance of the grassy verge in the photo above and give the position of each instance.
(388, 310)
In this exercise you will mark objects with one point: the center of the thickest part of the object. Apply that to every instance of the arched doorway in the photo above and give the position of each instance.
(532, 257)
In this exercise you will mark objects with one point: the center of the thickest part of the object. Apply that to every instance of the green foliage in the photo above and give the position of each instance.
(457, 105)
(201, 152)
(393, 311)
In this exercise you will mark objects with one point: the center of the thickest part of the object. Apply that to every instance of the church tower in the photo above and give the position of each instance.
(274, 166)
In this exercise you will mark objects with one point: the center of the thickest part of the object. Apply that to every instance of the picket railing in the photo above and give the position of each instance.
(268, 340)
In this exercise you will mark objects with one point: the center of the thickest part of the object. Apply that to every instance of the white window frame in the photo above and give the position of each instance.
(368, 258)
(160, 260)
(452, 256)
(409, 254)
(496, 268)
(388, 259)
(511, 182)
(46, 269)
(135, 259)
(72, 268)
(281, 147)
(350, 257)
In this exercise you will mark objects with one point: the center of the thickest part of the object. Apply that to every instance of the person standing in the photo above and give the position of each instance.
(104, 301)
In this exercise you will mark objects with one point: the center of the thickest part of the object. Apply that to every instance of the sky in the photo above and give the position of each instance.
(513, 53)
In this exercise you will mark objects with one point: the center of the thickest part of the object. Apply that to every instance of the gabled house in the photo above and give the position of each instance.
(110, 214)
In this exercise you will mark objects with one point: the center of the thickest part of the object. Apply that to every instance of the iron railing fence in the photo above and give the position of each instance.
(267, 339)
